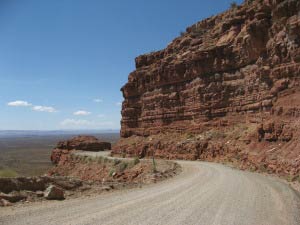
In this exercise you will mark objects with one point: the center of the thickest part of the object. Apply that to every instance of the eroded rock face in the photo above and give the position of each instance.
(241, 67)
(236, 63)
(85, 143)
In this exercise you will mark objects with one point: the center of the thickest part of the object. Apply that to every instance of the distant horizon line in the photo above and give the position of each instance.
(54, 130)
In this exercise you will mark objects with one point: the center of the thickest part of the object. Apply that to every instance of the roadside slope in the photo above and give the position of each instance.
(204, 193)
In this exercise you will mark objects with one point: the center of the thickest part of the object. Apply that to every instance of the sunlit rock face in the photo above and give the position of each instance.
(238, 67)
(235, 63)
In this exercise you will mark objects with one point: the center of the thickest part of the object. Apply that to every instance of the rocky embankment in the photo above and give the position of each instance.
(80, 175)
(29, 189)
(84, 143)
(226, 90)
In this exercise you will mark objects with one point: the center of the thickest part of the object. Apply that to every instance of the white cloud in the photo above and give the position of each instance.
(44, 109)
(85, 124)
(118, 103)
(81, 113)
(19, 103)
(98, 100)
(38, 108)
(72, 122)
(101, 116)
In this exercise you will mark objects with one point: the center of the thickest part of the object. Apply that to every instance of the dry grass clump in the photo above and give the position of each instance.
(117, 165)
(6, 172)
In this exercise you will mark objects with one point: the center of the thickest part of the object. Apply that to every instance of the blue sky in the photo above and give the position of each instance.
(63, 62)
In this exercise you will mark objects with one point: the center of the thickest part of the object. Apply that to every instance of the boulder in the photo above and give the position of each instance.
(13, 197)
(54, 193)
(4, 203)
(105, 188)
(39, 193)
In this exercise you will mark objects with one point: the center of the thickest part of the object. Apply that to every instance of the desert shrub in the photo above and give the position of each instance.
(198, 32)
(233, 5)
(136, 161)
(123, 154)
(289, 178)
(190, 136)
(295, 178)
(116, 162)
(122, 166)
(84, 159)
(111, 172)
(105, 160)
(253, 169)
(73, 157)
(262, 168)
(99, 159)
(5, 172)
(213, 134)
(77, 157)
(88, 159)
(154, 169)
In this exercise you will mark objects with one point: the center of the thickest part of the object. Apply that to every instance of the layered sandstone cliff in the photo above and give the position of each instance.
(227, 89)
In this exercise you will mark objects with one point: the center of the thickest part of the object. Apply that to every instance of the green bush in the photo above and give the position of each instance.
(212, 134)
(81, 159)
(76, 157)
(233, 5)
(154, 169)
(136, 161)
(262, 168)
(289, 178)
(116, 161)
(122, 166)
(105, 160)
(111, 172)
(190, 136)
(99, 159)
(293, 178)
(88, 159)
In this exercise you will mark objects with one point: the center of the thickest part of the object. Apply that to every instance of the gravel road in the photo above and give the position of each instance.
(204, 193)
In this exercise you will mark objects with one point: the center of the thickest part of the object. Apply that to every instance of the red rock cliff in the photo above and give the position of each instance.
(239, 68)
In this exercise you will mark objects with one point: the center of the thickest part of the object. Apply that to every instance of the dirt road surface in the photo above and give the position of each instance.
(204, 193)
